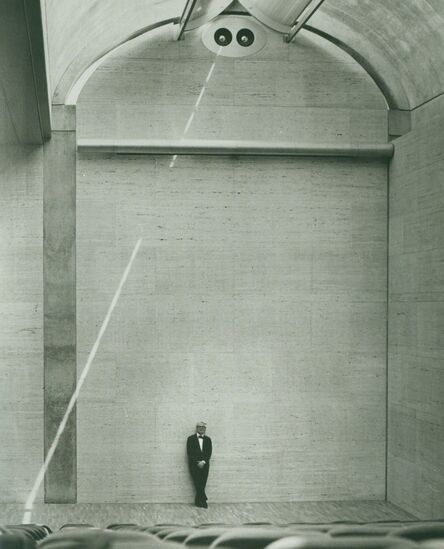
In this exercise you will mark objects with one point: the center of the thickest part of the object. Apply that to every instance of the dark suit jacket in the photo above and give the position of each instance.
(194, 452)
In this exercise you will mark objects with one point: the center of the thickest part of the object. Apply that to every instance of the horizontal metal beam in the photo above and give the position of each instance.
(304, 17)
(237, 148)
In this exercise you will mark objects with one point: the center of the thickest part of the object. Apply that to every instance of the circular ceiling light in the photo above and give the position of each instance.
(234, 36)
(245, 37)
(223, 37)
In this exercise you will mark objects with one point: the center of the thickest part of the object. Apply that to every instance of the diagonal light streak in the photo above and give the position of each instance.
(190, 120)
(196, 105)
(41, 475)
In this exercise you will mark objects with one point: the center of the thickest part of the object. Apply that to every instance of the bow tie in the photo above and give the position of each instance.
(200, 436)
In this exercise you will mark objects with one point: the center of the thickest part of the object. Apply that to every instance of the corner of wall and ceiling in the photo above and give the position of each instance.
(38, 55)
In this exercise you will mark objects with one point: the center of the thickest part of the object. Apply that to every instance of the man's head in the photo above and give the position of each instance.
(201, 427)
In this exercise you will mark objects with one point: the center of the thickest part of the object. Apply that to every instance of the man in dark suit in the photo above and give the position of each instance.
(199, 449)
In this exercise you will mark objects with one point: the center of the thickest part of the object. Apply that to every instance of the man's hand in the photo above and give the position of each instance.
(200, 464)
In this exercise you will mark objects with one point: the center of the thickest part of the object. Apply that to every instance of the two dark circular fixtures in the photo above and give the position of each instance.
(244, 37)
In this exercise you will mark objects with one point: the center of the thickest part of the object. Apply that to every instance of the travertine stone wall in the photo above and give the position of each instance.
(308, 91)
(416, 317)
(21, 321)
(258, 298)
(256, 302)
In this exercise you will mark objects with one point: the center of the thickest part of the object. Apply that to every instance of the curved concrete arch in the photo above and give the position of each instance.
(371, 49)
(95, 28)
(396, 99)
(400, 45)
(72, 93)
(390, 96)
(92, 28)
(403, 39)
(395, 96)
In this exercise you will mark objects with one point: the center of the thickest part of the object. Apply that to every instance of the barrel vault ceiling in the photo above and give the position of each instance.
(399, 42)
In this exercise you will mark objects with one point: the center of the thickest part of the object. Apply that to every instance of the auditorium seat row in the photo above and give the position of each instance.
(22, 536)
(259, 535)
(375, 535)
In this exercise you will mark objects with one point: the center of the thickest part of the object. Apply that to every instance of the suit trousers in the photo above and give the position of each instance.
(199, 476)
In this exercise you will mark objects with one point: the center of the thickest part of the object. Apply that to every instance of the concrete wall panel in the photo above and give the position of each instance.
(21, 321)
(416, 317)
(60, 305)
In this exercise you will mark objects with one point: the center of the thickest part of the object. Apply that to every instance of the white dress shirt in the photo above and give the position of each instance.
(200, 441)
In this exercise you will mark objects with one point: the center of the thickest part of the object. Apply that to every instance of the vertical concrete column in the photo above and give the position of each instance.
(59, 287)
